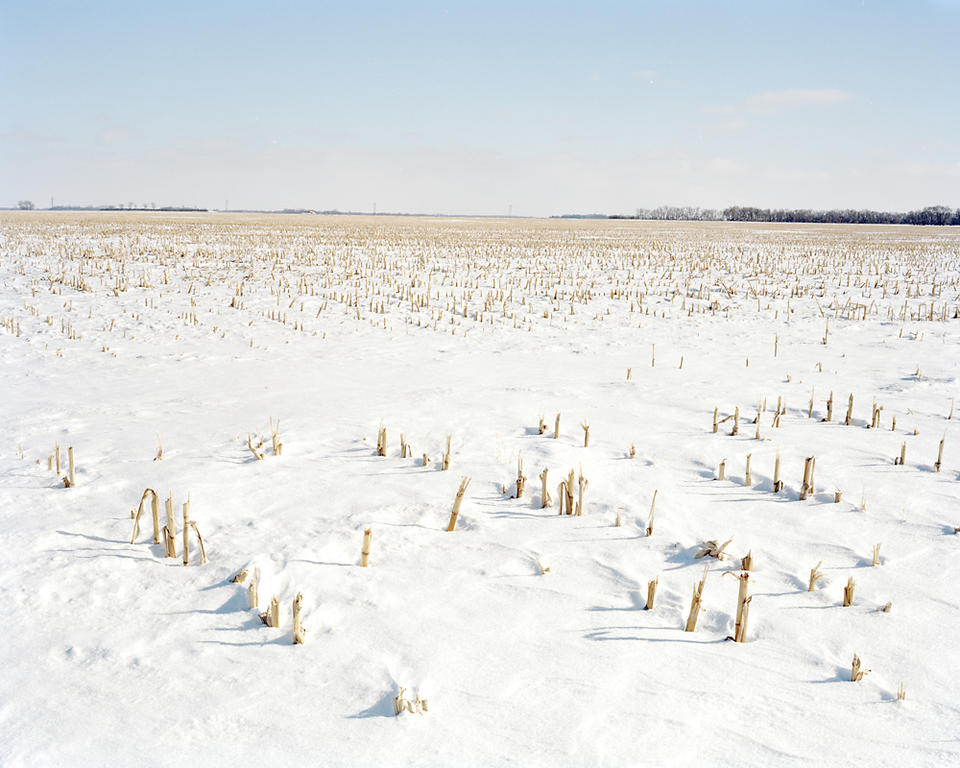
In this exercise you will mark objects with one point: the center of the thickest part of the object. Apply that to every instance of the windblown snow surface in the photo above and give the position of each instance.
(203, 328)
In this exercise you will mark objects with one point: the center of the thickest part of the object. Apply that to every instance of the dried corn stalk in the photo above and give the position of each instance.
(521, 478)
(856, 670)
(691, 624)
(545, 500)
(651, 593)
(902, 458)
(747, 477)
(155, 509)
(271, 616)
(446, 454)
(556, 428)
(712, 549)
(876, 555)
(381, 441)
(365, 550)
(582, 484)
(815, 576)
(257, 453)
(722, 470)
(939, 462)
(848, 592)
(464, 482)
(777, 482)
(299, 633)
(159, 456)
(653, 509)
(275, 437)
(170, 529)
(416, 707)
(586, 434)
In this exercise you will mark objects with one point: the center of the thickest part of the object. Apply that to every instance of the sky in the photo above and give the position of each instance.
(534, 108)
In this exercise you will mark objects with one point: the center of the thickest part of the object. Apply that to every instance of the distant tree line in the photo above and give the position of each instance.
(934, 214)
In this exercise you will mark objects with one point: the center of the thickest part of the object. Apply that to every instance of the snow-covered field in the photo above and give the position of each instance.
(204, 328)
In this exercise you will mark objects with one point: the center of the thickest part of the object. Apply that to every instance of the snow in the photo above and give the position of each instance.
(115, 655)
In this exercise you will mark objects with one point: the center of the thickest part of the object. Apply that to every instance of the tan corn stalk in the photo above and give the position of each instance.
(545, 500)
(155, 509)
(736, 422)
(582, 484)
(815, 576)
(556, 427)
(902, 458)
(747, 478)
(691, 624)
(777, 482)
(446, 455)
(856, 670)
(541, 426)
(653, 509)
(365, 549)
(464, 482)
(170, 529)
(521, 478)
(746, 562)
(651, 593)
(712, 548)
(849, 417)
(848, 592)
(939, 462)
(258, 454)
(186, 531)
(159, 456)
(586, 434)
(271, 617)
(875, 560)
(275, 437)
(71, 479)
(722, 470)
(299, 633)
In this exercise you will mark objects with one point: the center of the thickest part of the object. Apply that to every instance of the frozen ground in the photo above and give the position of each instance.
(115, 655)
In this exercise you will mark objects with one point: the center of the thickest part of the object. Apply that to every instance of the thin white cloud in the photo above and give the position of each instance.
(796, 97)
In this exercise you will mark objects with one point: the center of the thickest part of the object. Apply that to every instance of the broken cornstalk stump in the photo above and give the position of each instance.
(856, 670)
(848, 592)
(365, 549)
(461, 490)
(545, 500)
(695, 601)
(653, 509)
(299, 633)
(651, 593)
(815, 576)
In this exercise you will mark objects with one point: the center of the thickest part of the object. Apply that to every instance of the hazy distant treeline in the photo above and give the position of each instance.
(934, 214)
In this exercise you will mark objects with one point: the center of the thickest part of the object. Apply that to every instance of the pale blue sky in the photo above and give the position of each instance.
(471, 107)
